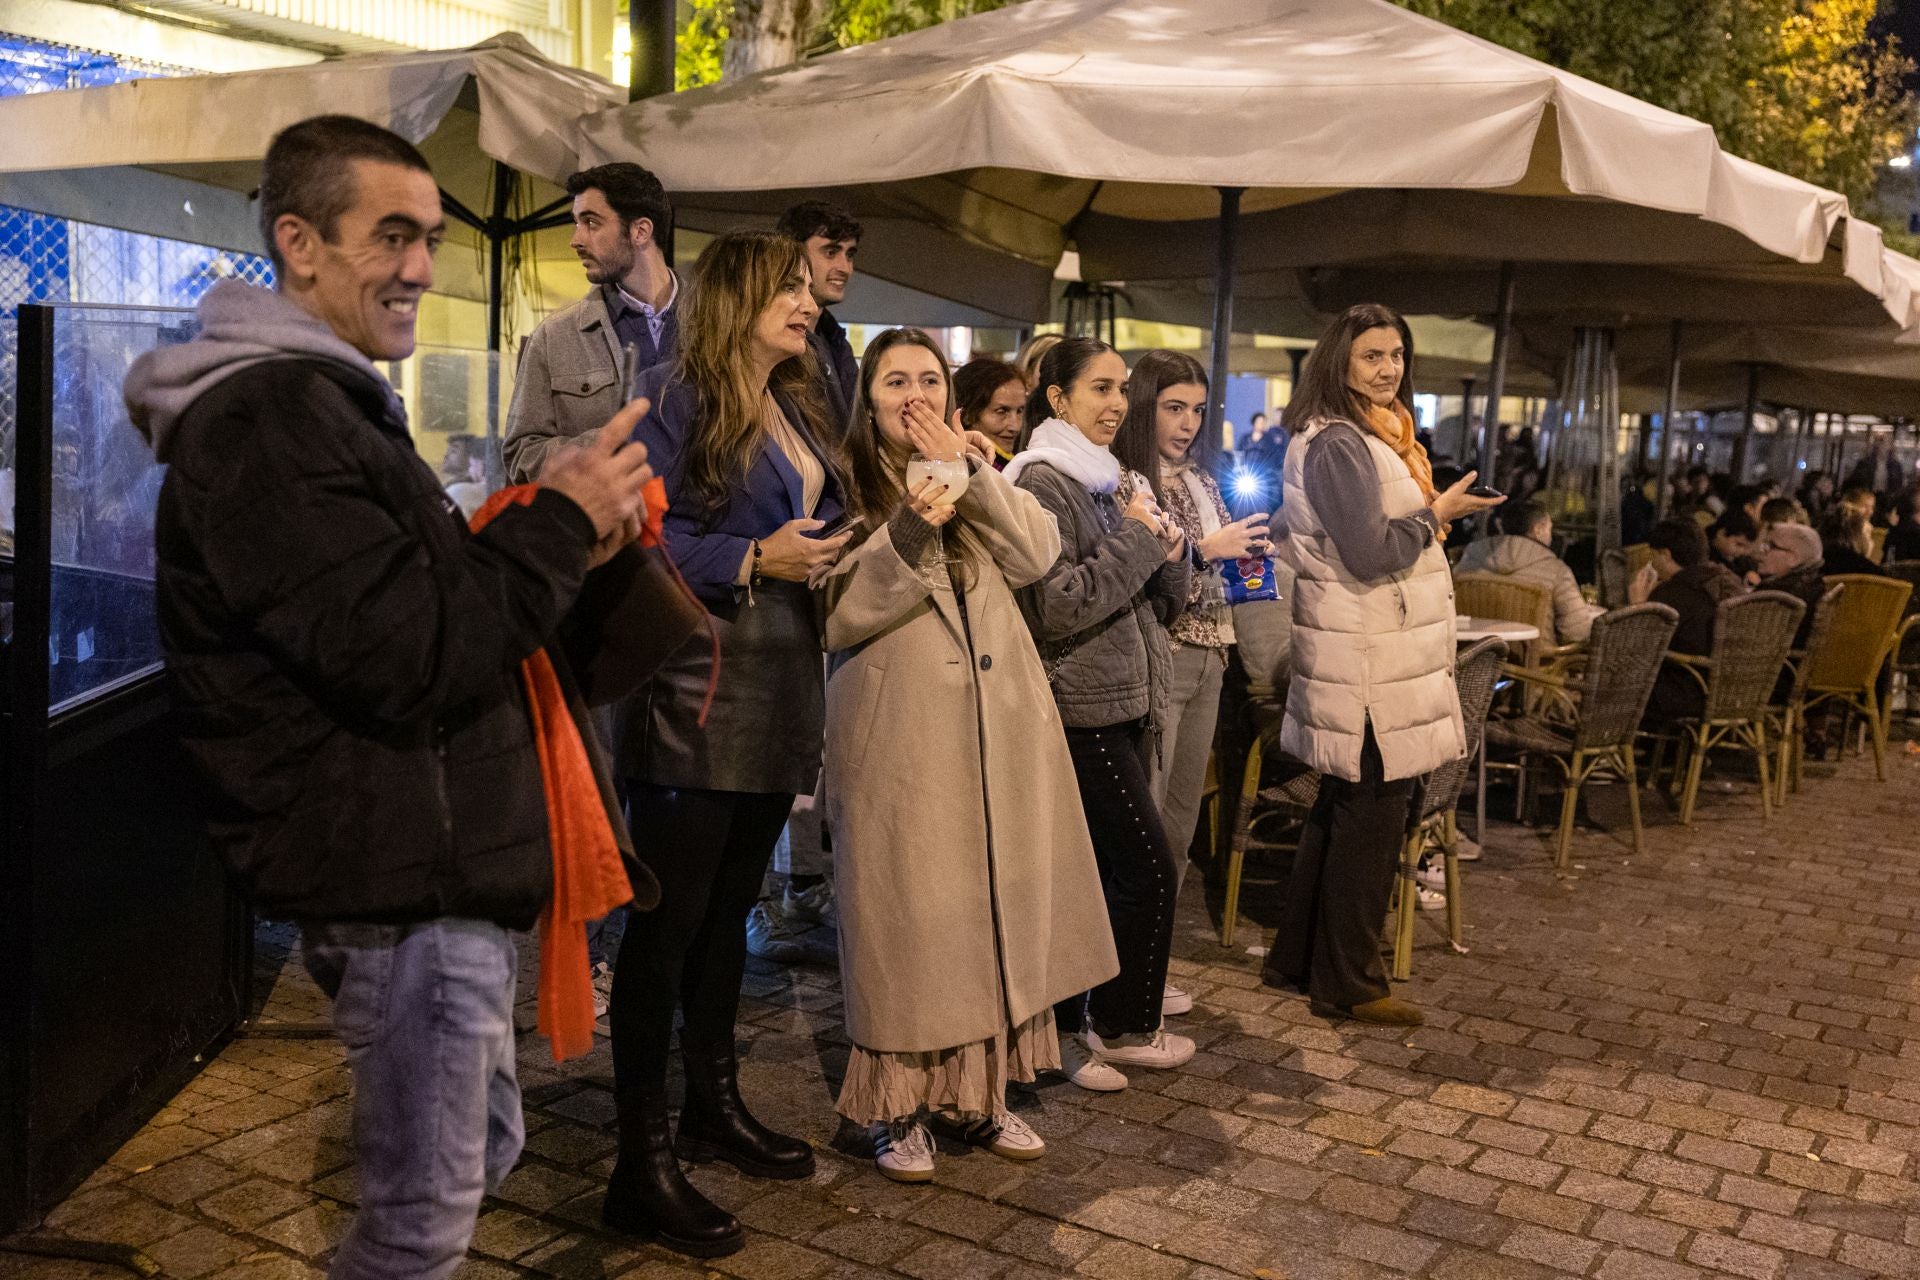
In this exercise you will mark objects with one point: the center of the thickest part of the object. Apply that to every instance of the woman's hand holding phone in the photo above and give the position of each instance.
(1456, 501)
(1245, 537)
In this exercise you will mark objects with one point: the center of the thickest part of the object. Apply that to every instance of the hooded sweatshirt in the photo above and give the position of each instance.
(241, 325)
(344, 653)
(1512, 555)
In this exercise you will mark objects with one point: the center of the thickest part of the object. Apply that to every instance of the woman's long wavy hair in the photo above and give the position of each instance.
(876, 472)
(1323, 391)
(737, 277)
(1137, 443)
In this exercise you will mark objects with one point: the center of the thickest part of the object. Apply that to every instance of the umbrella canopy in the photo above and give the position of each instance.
(1858, 371)
(1362, 134)
(177, 157)
(1836, 371)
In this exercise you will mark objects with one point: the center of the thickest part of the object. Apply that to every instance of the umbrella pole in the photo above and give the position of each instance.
(1497, 378)
(1466, 415)
(1743, 448)
(497, 230)
(650, 30)
(1228, 247)
(1667, 411)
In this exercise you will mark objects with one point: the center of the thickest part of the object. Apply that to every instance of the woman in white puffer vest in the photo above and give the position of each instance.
(1371, 705)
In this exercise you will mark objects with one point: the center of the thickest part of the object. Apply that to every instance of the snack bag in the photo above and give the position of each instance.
(1249, 578)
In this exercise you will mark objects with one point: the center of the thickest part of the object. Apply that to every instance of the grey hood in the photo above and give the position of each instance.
(241, 325)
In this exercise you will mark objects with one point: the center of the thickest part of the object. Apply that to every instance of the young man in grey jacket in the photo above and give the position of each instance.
(570, 369)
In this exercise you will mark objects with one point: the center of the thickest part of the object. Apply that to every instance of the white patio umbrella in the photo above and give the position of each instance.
(1175, 139)
(178, 157)
(1768, 356)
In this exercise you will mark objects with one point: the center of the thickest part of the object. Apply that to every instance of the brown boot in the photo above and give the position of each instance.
(1389, 1011)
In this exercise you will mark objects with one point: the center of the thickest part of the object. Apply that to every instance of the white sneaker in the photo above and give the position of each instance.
(813, 905)
(1159, 1052)
(1174, 1001)
(602, 989)
(903, 1150)
(1466, 850)
(1079, 1064)
(1429, 900)
(769, 939)
(1008, 1136)
(1432, 875)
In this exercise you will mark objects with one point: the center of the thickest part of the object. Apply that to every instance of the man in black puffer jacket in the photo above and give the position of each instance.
(346, 658)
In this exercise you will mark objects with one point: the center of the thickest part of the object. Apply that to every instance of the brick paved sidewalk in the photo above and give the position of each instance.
(1705, 1061)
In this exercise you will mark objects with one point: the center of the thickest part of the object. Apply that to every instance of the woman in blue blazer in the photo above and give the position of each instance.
(735, 433)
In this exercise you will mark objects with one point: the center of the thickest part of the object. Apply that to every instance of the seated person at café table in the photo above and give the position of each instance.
(1730, 541)
(1523, 550)
(1682, 577)
(1789, 560)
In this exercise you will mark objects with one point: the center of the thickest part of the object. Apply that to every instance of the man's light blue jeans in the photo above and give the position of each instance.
(426, 1014)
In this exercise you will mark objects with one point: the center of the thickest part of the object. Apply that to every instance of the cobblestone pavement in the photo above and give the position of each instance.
(1703, 1061)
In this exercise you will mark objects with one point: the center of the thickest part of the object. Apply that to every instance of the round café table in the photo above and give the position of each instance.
(1471, 631)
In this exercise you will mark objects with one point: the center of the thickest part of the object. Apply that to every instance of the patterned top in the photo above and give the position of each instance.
(1206, 622)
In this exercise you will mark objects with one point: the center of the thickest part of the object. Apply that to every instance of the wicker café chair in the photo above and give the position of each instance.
(1752, 636)
(1906, 652)
(1866, 627)
(1791, 715)
(1496, 595)
(1617, 673)
(1297, 792)
(1474, 672)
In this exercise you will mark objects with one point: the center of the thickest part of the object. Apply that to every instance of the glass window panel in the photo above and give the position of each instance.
(105, 487)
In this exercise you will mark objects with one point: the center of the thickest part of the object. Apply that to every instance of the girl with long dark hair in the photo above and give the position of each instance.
(1099, 615)
(1371, 705)
(735, 433)
(1165, 438)
(969, 896)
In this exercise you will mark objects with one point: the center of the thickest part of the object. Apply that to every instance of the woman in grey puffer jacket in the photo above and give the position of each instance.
(1099, 618)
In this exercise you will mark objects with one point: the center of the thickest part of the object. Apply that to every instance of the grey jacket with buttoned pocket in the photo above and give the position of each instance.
(1099, 615)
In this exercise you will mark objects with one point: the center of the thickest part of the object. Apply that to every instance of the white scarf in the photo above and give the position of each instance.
(1063, 448)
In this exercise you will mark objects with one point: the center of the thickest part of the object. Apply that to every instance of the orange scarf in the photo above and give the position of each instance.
(1394, 426)
(589, 879)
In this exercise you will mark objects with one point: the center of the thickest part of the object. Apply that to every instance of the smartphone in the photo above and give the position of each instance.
(1484, 491)
(838, 527)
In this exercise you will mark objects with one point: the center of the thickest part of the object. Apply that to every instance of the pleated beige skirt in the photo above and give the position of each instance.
(969, 1080)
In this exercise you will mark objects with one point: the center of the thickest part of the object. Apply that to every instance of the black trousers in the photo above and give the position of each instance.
(1328, 944)
(709, 850)
(1137, 872)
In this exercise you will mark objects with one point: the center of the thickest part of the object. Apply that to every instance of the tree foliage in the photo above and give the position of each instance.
(1797, 85)
(702, 54)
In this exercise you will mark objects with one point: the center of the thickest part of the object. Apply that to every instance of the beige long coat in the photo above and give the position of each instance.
(968, 894)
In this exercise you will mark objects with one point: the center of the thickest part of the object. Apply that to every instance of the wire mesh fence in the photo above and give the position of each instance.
(50, 259)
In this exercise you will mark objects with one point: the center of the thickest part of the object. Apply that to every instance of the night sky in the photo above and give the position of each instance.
(1902, 18)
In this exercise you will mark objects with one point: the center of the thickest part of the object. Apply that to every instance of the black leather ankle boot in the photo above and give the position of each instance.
(716, 1125)
(649, 1195)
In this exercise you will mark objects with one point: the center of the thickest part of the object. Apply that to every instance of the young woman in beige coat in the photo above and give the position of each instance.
(969, 896)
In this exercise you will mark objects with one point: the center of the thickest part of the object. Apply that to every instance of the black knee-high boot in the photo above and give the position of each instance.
(649, 1194)
(716, 1125)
